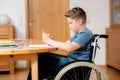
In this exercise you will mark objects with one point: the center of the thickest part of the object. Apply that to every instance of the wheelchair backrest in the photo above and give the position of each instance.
(94, 45)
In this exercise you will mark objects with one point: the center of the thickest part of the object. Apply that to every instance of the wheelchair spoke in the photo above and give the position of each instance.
(81, 71)
(77, 74)
(87, 74)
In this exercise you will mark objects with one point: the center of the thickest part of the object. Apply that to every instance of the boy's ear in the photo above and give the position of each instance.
(80, 21)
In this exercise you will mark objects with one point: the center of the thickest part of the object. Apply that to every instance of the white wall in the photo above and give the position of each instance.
(98, 19)
(97, 12)
(16, 11)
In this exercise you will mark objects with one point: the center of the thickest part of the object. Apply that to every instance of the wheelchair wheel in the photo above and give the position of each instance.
(81, 71)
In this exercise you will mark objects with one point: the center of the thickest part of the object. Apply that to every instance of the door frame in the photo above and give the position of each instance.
(27, 18)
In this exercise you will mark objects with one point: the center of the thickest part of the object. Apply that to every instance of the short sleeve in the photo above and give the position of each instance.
(83, 38)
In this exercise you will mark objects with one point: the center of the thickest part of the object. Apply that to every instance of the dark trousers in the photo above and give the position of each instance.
(49, 64)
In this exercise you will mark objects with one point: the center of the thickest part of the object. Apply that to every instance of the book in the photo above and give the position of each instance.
(39, 46)
(7, 42)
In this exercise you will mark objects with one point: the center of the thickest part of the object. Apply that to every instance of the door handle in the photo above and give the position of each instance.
(30, 21)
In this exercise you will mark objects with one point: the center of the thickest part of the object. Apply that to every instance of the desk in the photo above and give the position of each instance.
(26, 51)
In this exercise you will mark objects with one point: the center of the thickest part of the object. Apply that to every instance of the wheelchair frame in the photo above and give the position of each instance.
(77, 64)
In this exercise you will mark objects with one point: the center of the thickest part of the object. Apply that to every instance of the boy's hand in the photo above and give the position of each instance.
(46, 37)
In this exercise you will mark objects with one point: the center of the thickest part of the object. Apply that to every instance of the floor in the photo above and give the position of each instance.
(22, 74)
(112, 73)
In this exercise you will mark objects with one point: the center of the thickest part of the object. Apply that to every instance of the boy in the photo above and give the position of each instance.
(78, 47)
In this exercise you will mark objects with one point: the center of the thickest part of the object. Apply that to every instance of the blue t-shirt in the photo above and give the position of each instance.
(82, 38)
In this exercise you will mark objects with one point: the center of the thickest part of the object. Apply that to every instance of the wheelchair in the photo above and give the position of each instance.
(84, 70)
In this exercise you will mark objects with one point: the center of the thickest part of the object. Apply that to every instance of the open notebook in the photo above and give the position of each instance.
(39, 46)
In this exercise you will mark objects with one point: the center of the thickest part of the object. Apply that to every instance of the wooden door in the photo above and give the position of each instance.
(47, 15)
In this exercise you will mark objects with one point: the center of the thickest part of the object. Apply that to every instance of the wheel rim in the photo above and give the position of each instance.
(71, 72)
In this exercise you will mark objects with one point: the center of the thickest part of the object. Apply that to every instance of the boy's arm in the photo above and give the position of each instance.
(68, 41)
(67, 46)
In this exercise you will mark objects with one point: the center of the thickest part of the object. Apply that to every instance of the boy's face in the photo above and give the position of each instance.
(74, 24)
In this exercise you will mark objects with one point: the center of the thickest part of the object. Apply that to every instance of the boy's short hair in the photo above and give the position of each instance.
(77, 13)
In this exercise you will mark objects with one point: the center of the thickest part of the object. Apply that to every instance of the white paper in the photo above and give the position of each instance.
(40, 46)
